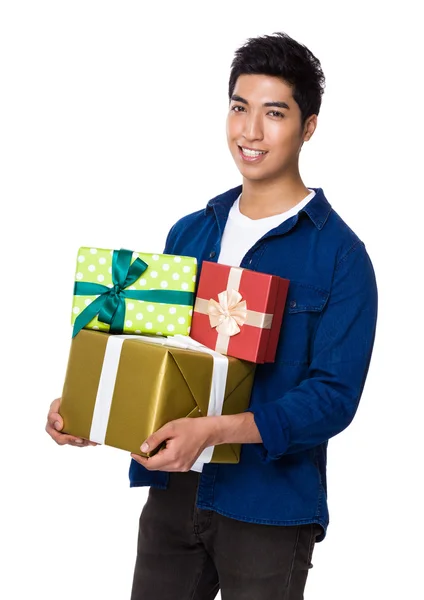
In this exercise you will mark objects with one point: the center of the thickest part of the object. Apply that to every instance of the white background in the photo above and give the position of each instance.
(112, 127)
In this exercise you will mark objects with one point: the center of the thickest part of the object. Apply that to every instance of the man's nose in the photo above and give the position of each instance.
(253, 129)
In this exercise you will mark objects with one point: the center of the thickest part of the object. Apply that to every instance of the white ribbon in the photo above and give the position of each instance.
(108, 378)
(217, 393)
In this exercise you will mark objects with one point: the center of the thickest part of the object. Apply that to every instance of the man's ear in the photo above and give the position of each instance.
(309, 128)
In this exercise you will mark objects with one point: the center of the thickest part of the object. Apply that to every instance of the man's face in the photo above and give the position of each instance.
(264, 116)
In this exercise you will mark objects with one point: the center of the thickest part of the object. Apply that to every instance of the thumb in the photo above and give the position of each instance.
(55, 420)
(58, 423)
(155, 439)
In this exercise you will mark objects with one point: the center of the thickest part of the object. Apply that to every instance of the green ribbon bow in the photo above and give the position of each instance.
(110, 304)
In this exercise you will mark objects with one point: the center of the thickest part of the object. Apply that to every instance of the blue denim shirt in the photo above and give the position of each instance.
(311, 392)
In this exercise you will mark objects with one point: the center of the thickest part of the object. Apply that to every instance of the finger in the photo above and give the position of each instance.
(144, 462)
(155, 463)
(54, 406)
(55, 420)
(155, 439)
(82, 442)
(54, 433)
(78, 442)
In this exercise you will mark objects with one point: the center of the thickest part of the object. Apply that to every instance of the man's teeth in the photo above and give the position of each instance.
(248, 152)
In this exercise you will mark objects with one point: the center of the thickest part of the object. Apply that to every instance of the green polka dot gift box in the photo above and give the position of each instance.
(121, 291)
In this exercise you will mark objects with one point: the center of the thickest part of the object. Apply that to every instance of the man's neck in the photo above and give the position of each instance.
(261, 199)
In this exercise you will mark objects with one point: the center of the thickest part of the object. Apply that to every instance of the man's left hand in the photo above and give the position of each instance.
(185, 440)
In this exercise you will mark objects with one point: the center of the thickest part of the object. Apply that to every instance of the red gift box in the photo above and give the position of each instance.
(238, 312)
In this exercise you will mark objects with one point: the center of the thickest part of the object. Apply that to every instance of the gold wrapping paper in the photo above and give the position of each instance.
(154, 385)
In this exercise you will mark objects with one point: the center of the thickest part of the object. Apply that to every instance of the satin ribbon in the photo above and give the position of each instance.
(217, 393)
(109, 372)
(109, 306)
(231, 312)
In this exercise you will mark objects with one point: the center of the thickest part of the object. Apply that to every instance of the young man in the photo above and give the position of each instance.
(249, 529)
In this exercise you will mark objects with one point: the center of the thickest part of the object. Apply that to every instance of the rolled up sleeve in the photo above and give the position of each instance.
(325, 402)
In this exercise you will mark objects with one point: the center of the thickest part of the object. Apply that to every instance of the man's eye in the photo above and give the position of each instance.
(276, 113)
(236, 107)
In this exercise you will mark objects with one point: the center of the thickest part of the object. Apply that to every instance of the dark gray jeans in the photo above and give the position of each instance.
(186, 553)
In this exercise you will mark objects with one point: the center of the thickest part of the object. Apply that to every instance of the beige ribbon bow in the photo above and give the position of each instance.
(229, 313)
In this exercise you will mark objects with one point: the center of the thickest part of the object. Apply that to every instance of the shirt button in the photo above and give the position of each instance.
(292, 303)
(212, 254)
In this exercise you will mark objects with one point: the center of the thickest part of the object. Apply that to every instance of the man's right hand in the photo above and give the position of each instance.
(55, 424)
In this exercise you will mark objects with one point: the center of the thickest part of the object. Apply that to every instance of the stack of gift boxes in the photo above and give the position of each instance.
(146, 350)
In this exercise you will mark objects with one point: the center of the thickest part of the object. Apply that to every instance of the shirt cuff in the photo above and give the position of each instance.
(273, 426)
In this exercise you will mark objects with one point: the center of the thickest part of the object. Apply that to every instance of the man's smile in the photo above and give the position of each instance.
(251, 155)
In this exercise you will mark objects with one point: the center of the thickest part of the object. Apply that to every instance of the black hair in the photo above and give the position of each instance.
(280, 56)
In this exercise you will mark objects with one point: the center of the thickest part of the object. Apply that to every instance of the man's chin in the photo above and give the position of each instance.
(248, 175)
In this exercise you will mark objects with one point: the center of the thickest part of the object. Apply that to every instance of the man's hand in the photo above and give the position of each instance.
(55, 424)
(185, 440)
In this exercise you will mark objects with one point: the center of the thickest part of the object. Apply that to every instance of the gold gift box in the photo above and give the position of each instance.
(154, 384)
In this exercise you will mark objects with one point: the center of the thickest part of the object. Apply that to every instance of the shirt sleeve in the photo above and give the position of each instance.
(169, 243)
(325, 402)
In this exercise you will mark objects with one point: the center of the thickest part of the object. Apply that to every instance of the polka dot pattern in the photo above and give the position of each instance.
(165, 272)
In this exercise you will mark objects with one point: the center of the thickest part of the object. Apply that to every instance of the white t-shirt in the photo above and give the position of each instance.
(241, 233)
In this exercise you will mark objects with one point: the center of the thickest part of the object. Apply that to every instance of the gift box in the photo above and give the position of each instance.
(239, 312)
(120, 389)
(133, 292)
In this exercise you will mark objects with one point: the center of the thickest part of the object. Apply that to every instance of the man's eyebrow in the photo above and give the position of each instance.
(275, 103)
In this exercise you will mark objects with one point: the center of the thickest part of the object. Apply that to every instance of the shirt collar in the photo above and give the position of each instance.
(317, 209)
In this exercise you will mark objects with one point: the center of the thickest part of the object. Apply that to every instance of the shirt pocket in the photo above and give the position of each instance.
(304, 306)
